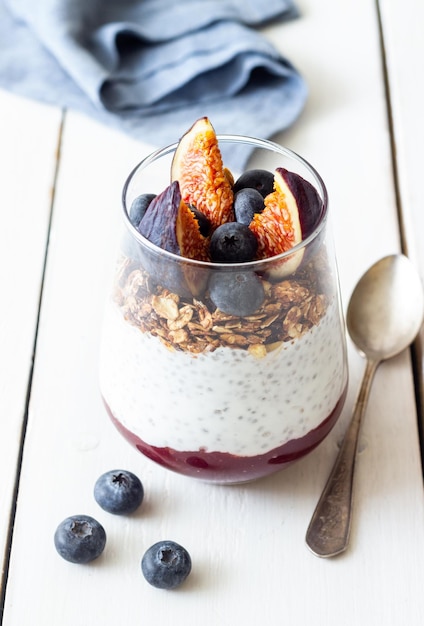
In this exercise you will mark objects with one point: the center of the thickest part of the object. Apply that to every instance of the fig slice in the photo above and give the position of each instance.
(309, 204)
(192, 244)
(290, 214)
(204, 182)
(159, 222)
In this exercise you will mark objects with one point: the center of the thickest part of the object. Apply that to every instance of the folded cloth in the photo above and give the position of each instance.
(151, 67)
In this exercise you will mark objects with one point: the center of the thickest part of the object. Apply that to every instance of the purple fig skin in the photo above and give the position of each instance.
(159, 222)
(309, 204)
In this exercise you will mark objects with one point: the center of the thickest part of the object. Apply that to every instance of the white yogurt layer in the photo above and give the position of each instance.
(223, 401)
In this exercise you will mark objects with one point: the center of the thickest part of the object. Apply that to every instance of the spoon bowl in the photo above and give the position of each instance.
(384, 316)
(385, 311)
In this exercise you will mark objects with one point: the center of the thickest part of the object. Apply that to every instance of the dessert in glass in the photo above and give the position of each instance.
(223, 350)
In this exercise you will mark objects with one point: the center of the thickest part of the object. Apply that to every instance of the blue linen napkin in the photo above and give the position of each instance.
(151, 67)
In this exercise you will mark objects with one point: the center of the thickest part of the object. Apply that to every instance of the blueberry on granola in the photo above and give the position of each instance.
(236, 293)
(139, 207)
(261, 180)
(247, 202)
(233, 243)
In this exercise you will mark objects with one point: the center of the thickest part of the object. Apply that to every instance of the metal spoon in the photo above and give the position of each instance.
(384, 316)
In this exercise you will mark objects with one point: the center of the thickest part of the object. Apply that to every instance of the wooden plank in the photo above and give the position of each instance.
(250, 562)
(401, 23)
(28, 150)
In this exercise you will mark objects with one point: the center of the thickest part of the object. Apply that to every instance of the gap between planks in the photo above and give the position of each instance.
(417, 352)
(15, 492)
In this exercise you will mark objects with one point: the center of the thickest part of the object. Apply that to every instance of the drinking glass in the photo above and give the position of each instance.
(225, 394)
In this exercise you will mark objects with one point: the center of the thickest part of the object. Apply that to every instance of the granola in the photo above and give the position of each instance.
(290, 309)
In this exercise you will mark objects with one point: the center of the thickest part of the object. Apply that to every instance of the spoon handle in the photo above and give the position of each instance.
(328, 531)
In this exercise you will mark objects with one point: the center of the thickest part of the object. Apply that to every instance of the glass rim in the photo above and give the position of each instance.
(251, 265)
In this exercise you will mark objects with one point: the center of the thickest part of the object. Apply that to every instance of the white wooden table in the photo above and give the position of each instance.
(62, 174)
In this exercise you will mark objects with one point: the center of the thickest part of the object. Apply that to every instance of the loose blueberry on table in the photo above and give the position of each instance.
(166, 565)
(80, 539)
(119, 491)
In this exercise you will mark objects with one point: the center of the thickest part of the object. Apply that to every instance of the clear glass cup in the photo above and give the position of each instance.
(223, 396)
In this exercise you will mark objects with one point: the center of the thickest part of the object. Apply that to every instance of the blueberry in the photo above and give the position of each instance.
(236, 293)
(204, 223)
(166, 565)
(247, 202)
(139, 207)
(119, 492)
(233, 242)
(262, 180)
(80, 539)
